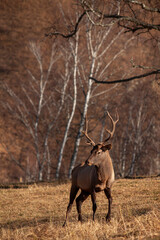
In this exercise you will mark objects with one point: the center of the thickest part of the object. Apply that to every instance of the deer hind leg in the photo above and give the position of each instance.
(108, 195)
(94, 205)
(79, 200)
(73, 194)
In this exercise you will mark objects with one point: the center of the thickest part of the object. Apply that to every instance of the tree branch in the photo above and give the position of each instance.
(144, 6)
(126, 79)
(123, 20)
(73, 32)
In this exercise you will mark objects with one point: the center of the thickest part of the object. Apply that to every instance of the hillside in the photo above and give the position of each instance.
(38, 212)
(33, 122)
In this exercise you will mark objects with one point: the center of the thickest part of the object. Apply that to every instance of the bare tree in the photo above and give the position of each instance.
(139, 135)
(37, 110)
(132, 15)
(74, 50)
(136, 138)
(97, 50)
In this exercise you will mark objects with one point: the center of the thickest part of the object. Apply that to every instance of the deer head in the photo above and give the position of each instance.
(99, 149)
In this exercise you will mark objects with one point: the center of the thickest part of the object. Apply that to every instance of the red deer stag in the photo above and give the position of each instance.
(94, 175)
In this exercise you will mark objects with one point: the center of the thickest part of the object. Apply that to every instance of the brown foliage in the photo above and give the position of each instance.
(24, 21)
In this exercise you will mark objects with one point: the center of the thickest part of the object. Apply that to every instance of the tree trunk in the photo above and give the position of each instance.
(40, 174)
(131, 171)
(103, 123)
(73, 108)
(65, 140)
(48, 165)
(78, 138)
(124, 159)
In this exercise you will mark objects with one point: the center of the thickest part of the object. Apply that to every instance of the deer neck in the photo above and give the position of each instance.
(105, 168)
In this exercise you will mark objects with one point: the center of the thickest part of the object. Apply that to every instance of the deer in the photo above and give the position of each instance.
(94, 175)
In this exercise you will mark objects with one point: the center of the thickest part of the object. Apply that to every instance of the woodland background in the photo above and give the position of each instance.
(46, 93)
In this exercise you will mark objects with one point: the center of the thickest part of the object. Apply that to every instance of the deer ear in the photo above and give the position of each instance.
(106, 147)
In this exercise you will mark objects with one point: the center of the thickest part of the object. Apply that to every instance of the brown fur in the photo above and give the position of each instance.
(94, 175)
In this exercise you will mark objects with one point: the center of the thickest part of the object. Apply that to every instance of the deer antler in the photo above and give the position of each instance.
(113, 126)
(91, 142)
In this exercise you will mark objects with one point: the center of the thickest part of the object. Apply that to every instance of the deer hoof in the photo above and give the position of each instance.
(64, 224)
(108, 218)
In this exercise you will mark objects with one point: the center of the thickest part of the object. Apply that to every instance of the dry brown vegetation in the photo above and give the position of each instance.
(38, 212)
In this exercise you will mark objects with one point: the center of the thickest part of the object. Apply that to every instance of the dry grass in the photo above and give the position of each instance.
(38, 212)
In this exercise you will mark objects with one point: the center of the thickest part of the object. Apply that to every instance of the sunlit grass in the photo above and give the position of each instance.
(38, 212)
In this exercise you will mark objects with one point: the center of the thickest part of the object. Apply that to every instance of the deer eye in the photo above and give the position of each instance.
(99, 152)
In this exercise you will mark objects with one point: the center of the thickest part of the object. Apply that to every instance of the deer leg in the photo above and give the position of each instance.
(94, 205)
(79, 200)
(108, 195)
(73, 193)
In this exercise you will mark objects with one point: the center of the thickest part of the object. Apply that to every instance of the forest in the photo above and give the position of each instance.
(65, 61)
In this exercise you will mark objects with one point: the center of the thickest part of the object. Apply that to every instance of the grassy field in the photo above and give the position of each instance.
(38, 212)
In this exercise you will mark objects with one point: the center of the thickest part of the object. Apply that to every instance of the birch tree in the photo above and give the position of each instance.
(74, 50)
(37, 110)
(136, 17)
(97, 49)
(140, 133)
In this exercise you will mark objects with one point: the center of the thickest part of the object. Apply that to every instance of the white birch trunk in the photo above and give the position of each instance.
(48, 165)
(137, 140)
(73, 108)
(123, 168)
(78, 138)
(96, 52)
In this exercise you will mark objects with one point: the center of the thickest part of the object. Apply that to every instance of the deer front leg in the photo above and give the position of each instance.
(79, 200)
(73, 193)
(93, 197)
(107, 192)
